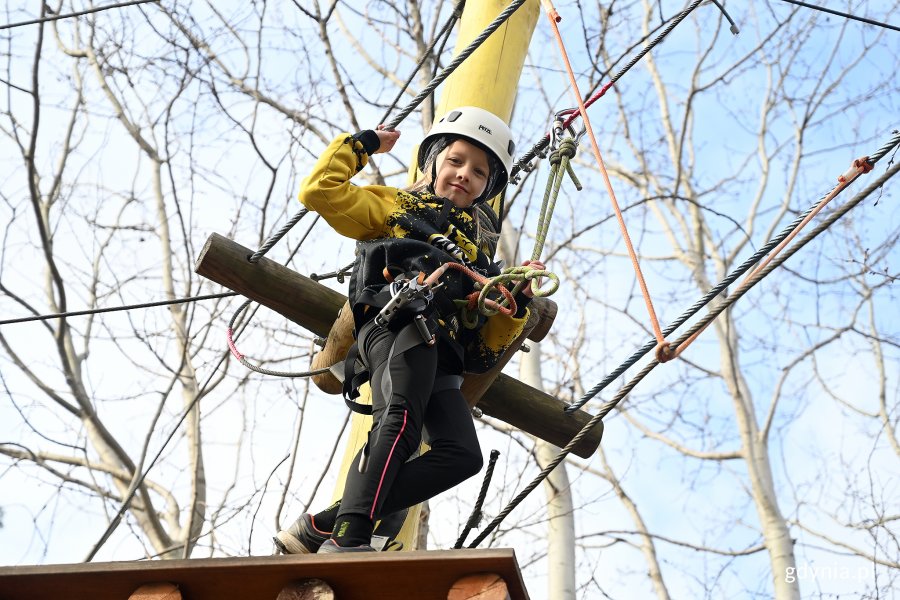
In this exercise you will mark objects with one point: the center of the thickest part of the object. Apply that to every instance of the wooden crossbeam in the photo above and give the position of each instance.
(315, 307)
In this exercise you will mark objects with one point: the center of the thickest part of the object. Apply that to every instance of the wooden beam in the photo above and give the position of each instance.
(156, 591)
(306, 589)
(306, 302)
(315, 307)
(539, 414)
(300, 299)
(481, 586)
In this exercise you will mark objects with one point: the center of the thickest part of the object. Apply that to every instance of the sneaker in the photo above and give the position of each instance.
(301, 538)
(332, 547)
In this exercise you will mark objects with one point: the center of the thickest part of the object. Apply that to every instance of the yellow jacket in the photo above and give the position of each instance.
(408, 232)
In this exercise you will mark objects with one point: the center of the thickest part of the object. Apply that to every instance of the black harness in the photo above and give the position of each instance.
(407, 306)
(428, 232)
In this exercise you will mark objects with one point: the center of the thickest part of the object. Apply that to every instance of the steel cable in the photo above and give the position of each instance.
(625, 390)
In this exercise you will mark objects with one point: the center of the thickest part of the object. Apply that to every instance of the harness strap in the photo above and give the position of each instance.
(447, 382)
(356, 373)
(354, 378)
(445, 213)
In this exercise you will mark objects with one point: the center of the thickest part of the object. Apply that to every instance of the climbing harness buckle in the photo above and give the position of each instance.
(427, 337)
(404, 291)
(363, 465)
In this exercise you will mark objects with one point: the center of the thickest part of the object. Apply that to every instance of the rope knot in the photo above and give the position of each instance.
(664, 352)
(555, 158)
(568, 147)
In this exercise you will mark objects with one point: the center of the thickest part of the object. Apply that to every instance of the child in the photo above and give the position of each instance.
(413, 355)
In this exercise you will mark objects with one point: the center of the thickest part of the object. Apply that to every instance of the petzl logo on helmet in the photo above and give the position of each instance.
(485, 129)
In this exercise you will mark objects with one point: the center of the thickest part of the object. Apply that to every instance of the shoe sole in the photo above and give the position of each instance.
(331, 547)
(288, 544)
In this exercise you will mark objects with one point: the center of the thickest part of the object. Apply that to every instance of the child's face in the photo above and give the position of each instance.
(463, 173)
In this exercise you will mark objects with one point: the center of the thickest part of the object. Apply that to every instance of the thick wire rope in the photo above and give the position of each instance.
(843, 14)
(756, 278)
(420, 97)
(275, 237)
(475, 517)
(76, 14)
(442, 36)
(466, 52)
(859, 167)
(523, 162)
(717, 289)
(96, 311)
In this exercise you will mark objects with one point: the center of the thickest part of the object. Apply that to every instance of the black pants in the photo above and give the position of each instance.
(403, 402)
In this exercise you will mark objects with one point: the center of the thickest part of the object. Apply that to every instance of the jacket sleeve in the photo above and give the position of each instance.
(488, 345)
(354, 211)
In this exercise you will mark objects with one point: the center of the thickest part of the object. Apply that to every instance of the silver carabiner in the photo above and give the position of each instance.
(556, 131)
(558, 118)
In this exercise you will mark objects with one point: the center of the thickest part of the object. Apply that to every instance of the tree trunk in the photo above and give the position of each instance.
(775, 531)
(560, 513)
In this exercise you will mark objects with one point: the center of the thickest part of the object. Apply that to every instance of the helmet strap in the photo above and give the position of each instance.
(433, 176)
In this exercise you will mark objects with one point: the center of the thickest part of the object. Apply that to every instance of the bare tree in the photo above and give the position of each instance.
(116, 141)
(131, 135)
(696, 215)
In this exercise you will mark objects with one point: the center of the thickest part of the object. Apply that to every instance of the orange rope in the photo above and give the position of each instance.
(472, 298)
(859, 166)
(661, 351)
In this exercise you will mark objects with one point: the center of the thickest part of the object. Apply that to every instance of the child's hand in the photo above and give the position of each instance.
(538, 266)
(387, 139)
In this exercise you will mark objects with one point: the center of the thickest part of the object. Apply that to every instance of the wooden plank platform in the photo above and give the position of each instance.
(420, 575)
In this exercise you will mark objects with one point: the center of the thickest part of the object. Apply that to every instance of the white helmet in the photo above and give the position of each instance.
(482, 127)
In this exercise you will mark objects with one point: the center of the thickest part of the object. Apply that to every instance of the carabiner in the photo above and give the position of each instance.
(558, 117)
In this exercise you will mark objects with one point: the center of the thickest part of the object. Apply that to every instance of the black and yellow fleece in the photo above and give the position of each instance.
(407, 232)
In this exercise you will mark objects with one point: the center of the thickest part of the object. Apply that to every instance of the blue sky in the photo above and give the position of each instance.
(820, 446)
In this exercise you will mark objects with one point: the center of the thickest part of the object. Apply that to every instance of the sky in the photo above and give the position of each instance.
(817, 435)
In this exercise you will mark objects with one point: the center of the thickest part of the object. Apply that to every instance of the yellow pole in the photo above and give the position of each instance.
(488, 79)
